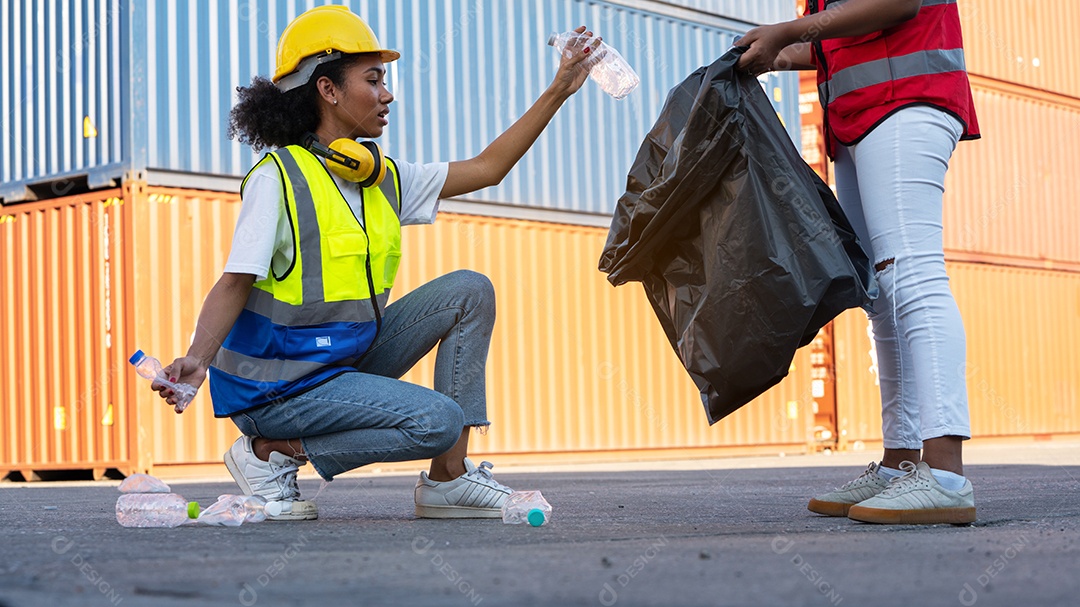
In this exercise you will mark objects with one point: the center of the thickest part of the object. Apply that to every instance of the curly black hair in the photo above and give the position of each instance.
(267, 118)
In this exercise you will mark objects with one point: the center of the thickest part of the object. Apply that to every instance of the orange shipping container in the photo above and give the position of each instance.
(1012, 195)
(180, 241)
(575, 365)
(1028, 42)
(1022, 373)
(62, 332)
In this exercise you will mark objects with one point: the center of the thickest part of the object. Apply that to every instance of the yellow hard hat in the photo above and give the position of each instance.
(320, 35)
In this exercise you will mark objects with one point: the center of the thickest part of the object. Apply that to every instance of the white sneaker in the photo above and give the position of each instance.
(917, 499)
(474, 494)
(837, 503)
(274, 480)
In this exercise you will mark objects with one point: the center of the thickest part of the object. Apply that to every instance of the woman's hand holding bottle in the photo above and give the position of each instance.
(575, 64)
(185, 370)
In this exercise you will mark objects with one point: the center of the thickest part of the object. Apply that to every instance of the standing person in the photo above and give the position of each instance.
(895, 89)
(303, 353)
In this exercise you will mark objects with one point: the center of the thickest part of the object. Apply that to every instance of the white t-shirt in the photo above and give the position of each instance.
(263, 236)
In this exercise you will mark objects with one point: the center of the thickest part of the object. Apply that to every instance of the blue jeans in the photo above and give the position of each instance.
(367, 417)
(891, 186)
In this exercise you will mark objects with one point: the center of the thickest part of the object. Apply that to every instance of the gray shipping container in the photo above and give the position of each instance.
(747, 11)
(103, 91)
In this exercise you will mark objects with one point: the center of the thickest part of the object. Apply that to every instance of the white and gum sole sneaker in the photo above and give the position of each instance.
(917, 499)
(836, 503)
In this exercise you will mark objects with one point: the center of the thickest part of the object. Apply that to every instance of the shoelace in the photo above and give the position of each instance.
(902, 483)
(484, 474)
(862, 478)
(288, 474)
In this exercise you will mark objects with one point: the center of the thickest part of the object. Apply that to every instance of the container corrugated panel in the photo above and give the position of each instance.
(1013, 193)
(1022, 374)
(759, 13)
(858, 400)
(156, 83)
(469, 69)
(61, 63)
(575, 364)
(1028, 42)
(62, 285)
(180, 241)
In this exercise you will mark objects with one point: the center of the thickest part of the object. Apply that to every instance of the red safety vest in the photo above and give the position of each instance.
(863, 80)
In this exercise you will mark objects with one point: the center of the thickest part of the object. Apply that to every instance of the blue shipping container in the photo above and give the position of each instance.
(107, 90)
(747, 11)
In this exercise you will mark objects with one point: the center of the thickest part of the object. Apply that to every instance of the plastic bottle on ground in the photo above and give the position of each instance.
(154, 510)
(234, 510)
(150, 368)
(526, 507)
(143, 483)
(606, 67)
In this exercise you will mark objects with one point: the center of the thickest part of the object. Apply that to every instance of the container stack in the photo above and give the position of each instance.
(114, 142)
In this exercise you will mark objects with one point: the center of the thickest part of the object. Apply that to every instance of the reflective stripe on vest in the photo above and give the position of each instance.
(873, 73)
(314, 321)
(315, 313)
(925, 3)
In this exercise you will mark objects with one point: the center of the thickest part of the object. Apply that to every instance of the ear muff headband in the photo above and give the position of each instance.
(359, 162)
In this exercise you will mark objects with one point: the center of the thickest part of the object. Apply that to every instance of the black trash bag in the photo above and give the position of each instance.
(743, 250)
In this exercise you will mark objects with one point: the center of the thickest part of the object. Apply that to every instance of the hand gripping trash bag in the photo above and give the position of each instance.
(743, 251)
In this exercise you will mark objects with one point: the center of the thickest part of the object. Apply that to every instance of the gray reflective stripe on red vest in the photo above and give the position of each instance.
(281, 313)
(925, 3)
(872, 73)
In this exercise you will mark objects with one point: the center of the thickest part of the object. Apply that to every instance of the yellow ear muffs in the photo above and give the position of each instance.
(360, 162)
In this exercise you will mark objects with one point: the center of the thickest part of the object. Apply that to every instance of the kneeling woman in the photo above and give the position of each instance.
(303, 353)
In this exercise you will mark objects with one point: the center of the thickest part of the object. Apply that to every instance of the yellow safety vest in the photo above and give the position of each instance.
(316, 319)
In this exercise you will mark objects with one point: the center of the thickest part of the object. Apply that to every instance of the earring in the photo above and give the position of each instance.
(335, 102)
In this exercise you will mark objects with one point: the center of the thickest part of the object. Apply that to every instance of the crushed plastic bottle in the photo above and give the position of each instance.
(143, 483)
(606, 67)
(154, 510)
(150, 368)
(234, 510)
(526, 507)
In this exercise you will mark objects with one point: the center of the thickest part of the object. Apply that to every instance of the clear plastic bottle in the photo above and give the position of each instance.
(235, 510)
(526, 507)
(143, 483)
(608, 68)
(150, 368)
(154, 510)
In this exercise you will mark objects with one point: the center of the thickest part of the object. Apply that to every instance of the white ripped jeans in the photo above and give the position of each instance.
(891, 185)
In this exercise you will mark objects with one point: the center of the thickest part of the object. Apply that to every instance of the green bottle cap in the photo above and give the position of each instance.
(193, 510)
(536, 517)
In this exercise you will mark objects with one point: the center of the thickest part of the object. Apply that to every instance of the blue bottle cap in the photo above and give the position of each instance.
(136, 357)
(536, 517)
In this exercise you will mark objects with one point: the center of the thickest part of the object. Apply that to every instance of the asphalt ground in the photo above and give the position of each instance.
(717, 532)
